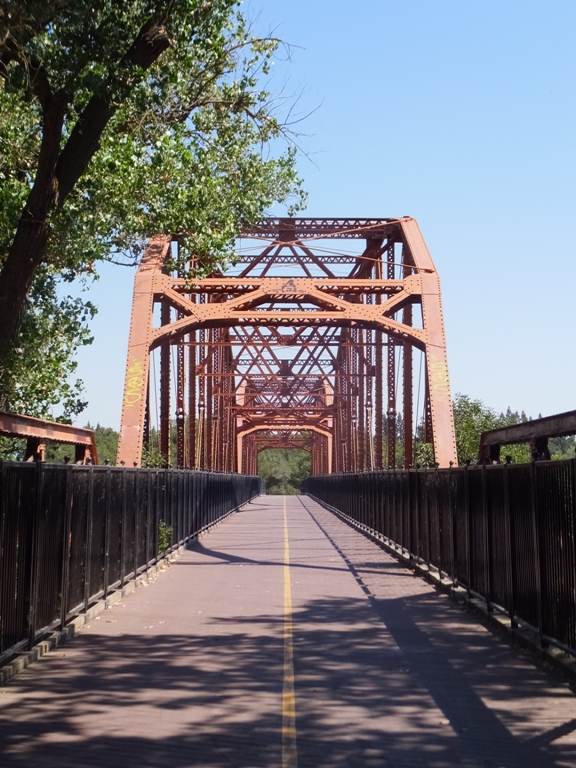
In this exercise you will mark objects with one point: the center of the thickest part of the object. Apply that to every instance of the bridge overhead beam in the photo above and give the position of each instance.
(536, 432)
(38, 432)
(303, 330)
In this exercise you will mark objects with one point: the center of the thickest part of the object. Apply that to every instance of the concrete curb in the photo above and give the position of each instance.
(522, 635)
(24, 659)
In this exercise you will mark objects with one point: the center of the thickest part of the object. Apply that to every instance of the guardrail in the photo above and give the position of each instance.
(505, 532)
(70, 535)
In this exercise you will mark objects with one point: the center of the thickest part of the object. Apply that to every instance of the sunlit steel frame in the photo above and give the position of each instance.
(233, 394)
(39, 432)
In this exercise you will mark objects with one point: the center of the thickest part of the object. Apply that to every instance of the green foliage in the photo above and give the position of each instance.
(153, 458)
(283, 469)
(188, 145)
(472, 417)
(38, 374)
(562, 447)
(183, 140)
(164, 537)
(423, 454)
(12, 449)
(106, 443)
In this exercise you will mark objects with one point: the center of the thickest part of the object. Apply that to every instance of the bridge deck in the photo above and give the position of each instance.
(190, 670)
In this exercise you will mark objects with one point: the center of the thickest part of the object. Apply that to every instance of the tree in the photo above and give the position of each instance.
(283, 469)
(37, 373)
(472, 417)
(120, 120)
(106, 447)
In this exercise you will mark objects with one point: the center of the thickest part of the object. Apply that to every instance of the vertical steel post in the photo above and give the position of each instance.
(165, 387)
(379, 402)
(407, 390)
(180, 406)
(361, 399)
(209, 459)
(192, 401)
(391, 371)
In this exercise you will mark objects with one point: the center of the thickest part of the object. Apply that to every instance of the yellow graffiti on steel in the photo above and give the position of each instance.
(289, 750)
(134, 384)
(439, 383)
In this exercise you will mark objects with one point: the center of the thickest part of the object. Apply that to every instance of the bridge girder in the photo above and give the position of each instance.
(302, 335)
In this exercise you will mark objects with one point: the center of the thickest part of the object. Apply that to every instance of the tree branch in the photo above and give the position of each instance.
(84, 140)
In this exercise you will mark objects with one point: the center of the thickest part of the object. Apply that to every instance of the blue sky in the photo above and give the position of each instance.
(461, 113)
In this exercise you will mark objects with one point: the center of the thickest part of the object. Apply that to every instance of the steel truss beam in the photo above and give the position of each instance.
(307, 342)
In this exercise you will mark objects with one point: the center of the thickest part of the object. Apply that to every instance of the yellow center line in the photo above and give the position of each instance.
(289, 750)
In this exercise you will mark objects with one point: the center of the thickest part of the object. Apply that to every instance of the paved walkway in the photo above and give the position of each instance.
(196, 668)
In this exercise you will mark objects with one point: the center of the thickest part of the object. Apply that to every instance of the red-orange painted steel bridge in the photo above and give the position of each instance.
(325, 335)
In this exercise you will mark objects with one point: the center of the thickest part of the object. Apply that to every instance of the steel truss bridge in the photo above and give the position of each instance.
(326, 335)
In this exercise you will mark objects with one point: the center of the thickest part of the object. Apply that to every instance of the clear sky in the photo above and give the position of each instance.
(461, 113)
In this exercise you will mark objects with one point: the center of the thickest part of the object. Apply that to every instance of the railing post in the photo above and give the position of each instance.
(148, 511)
(536, 540)
(417, 532)
(409, 542)
(572, 610)
(439, 523)
(123, 527)
(428, 522)
(67, 540)
(108, 507)
(511, 531)
(34, 554)
(452, 518)
(468, 529)
(136, 522)
(487, 543)
(89, 530)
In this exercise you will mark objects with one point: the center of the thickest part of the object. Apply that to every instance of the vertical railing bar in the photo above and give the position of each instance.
(107, 525)
(88, 539)
(148, 508)
(511, 532)
(452, 518)
(67, 540)
(487, 547)
(136, 522)
(35, 554)
(123, 515)
(468, 530)
(536, 546)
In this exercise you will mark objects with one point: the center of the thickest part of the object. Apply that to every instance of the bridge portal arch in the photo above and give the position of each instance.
(317, 325)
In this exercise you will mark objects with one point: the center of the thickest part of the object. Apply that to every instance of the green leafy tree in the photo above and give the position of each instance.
(562, 447)
(472, 417)
(283, 469)
(106, 443)
(120, 120)
(38, 373)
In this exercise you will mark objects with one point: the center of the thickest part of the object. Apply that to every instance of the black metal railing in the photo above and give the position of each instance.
(505, 532)
(70, 535)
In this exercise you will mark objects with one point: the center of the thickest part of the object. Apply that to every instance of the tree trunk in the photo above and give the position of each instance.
(28, 248)
(58, 172)
(17, 275)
